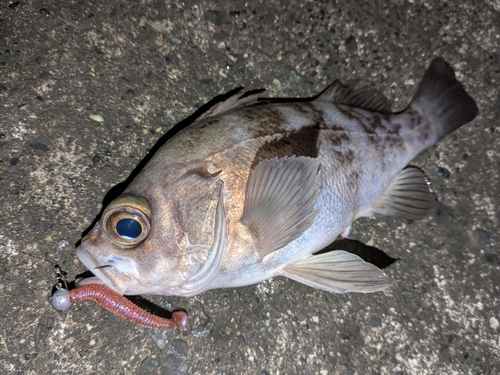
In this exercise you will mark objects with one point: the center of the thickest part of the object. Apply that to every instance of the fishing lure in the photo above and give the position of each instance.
(115, 303)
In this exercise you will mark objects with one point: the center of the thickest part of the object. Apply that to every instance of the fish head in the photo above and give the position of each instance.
(164, 238)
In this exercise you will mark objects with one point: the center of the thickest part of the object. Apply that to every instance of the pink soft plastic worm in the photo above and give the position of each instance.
(124, 308)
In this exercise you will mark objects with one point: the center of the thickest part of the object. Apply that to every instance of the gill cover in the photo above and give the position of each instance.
(209, 269)
(126, 222)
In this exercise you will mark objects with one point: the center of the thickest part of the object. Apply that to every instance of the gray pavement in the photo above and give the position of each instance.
(86, 88)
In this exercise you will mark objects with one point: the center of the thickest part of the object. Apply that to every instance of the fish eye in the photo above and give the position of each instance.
(129, 228)
(125, 222)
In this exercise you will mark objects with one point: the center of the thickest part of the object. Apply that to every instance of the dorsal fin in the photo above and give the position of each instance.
(363, 97)
(238, 100)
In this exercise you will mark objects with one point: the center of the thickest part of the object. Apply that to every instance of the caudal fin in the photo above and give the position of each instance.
(443, 99)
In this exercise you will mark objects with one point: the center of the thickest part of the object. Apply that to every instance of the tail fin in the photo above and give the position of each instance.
(441, 97)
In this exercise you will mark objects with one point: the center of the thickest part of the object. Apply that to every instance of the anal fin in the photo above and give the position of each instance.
(407, 196)
(339, 272)
(280, 199)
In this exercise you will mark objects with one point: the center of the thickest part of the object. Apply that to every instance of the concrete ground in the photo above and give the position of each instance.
(87, 87)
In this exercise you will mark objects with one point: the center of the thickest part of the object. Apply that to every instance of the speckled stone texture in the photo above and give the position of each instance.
(88, 87)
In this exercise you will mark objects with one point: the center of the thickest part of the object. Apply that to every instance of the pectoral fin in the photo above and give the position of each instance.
(408, 196)
(280, 199)
(339, 272)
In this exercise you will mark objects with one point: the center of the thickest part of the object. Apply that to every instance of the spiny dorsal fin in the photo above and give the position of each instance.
(338, 272)
(407, 196)
(280, 200)
(238, 100)
(363, 97)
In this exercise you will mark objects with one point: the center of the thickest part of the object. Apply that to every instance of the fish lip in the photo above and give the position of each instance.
(103, 277)
(81, 281)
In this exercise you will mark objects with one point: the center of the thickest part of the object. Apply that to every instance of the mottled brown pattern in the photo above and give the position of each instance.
(375, 122)
(381, 136)
(305, 141)
(270, 120)
(314, 114)
(336, 136)
(349, 114)
(300, 143)
(345, 158)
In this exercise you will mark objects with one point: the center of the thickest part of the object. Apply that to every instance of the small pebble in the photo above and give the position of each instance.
(492, 258)
(442, 214)
(240, 340)
(206, 81)
(96, 159)
(443, 172)
(482, 237)
(233, 57)
(201, 324)
(96, 117)
(124, 81)
(149, 366)
(41, 144)
(176, 360)
(65, 11)
(63, 244)
(351, 45)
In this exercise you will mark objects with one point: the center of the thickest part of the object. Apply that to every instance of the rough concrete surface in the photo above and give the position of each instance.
(87, 87)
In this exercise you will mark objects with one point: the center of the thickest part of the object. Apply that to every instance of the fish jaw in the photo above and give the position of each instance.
(102, 274)
(118, 273)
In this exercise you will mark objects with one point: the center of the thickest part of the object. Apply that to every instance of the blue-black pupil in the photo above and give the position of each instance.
(129, 228)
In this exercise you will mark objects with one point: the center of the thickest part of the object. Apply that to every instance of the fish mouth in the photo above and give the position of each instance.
(104, 274)
(121, 274)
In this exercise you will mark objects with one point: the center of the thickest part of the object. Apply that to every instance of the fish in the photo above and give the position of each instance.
(255, 188)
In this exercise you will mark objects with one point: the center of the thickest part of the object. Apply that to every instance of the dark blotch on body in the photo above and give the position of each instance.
(303, 142)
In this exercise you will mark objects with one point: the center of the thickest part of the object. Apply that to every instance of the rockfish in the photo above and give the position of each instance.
(255, 188)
